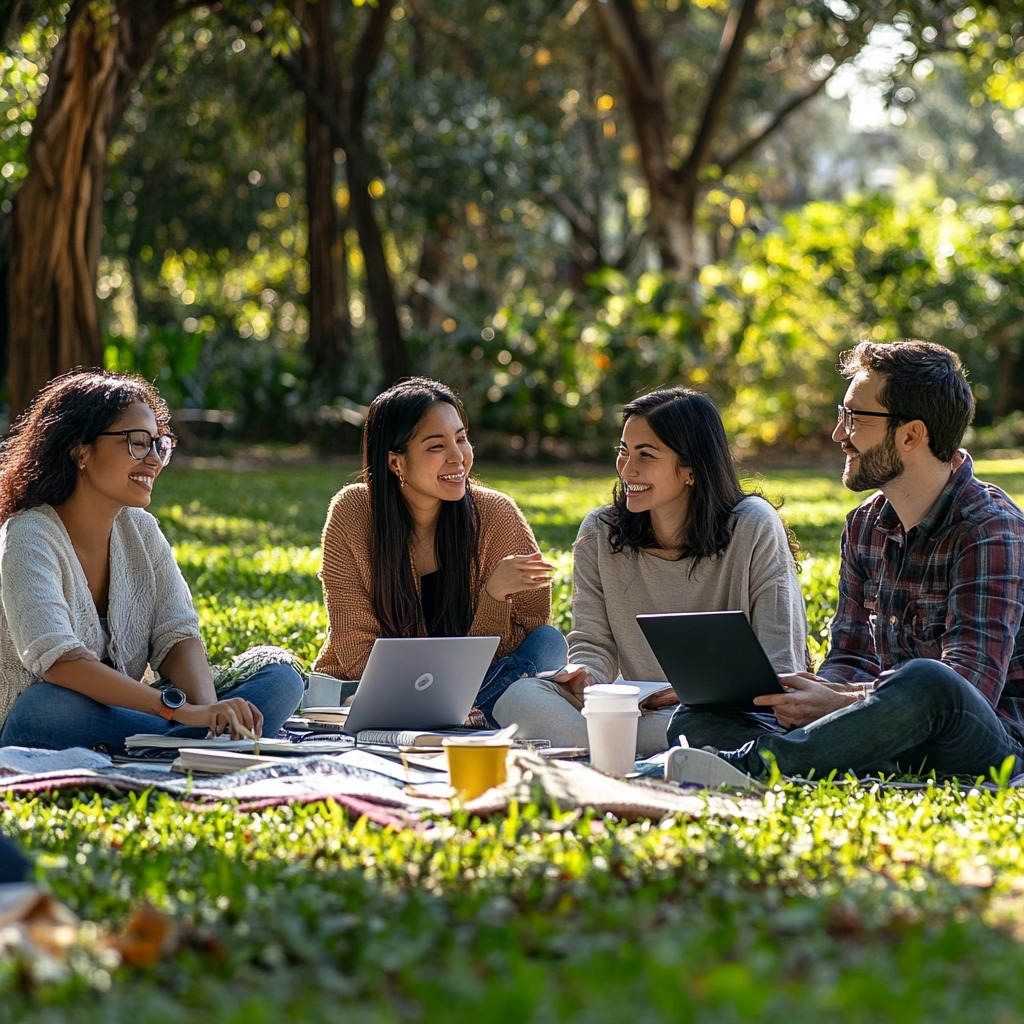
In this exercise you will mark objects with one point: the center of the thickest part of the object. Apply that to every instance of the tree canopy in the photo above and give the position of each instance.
(276, 209)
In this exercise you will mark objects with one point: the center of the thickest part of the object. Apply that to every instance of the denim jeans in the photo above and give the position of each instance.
(51, 716)
(719, 729)
(925, 717)
(542, 650)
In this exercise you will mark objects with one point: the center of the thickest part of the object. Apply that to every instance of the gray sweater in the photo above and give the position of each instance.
(47, 612)
(755, 574)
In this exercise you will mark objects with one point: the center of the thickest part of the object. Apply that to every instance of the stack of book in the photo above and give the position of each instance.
(220, 754)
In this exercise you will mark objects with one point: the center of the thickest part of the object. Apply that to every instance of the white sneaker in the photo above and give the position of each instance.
(701, 768)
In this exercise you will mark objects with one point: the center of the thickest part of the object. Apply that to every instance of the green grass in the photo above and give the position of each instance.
(835, 903)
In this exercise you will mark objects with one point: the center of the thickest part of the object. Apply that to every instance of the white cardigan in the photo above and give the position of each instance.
(47, 611)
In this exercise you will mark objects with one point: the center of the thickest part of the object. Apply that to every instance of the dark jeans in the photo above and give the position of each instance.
(925, 717)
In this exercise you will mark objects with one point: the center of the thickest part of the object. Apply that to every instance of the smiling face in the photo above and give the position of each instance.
(653, 478)
(437, 459)
(872, 459)
(109, 474)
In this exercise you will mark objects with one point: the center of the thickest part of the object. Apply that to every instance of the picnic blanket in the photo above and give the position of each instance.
(549, 784)
(569, 785)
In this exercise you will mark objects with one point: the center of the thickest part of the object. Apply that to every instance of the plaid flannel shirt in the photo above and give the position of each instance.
(951, 588)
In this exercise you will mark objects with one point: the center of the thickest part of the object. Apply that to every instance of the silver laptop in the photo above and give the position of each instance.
(422, 682)
(713, 660)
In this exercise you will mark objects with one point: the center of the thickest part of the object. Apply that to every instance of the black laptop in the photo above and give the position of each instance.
(713, 660)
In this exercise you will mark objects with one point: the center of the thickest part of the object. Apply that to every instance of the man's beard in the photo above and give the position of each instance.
(875, 467)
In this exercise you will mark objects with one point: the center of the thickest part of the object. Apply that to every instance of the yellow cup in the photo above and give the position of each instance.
(475, 765)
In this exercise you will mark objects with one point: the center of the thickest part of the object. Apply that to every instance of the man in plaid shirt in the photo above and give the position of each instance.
(925, 670)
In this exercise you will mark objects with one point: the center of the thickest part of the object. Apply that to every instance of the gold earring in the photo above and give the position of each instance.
(401, 480)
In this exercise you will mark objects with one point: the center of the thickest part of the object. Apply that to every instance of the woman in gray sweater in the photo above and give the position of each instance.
(681, 535)
(92, 603)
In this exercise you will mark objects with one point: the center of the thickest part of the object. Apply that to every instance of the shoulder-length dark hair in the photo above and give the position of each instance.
(38, 455)
(689, 424)
(390, 424)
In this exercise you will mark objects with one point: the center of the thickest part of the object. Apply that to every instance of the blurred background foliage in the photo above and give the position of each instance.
(857, 173)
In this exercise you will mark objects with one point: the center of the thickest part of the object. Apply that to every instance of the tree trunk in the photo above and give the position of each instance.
(641, 77)
(674, 185)
(345, 123)
(432, 274)
(394, 353)
(330, 327)
(56, 226)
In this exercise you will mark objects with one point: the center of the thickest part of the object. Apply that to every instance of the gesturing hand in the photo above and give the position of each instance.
(516, 573)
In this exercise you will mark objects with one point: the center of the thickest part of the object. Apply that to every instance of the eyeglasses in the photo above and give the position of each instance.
(846, 414)
(142, 442)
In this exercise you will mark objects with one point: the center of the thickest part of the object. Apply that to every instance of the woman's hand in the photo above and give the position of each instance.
(235, 716)
(516, 573)
(574, 679)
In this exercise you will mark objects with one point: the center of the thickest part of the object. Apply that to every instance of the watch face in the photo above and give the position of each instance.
(173, 697)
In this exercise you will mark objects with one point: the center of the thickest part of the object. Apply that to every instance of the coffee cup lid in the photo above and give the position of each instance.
(601, 691)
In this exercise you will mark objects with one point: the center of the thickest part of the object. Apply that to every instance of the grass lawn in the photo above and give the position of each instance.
(835, 903)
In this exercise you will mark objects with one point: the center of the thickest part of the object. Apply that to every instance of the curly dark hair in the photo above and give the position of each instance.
(38, 454)
(690, 425)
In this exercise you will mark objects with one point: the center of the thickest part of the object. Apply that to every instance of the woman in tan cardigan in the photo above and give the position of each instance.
(416, 549)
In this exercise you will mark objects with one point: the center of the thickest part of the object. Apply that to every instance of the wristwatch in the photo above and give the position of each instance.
(173, 698)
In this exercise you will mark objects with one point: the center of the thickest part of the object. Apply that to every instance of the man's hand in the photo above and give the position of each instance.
(667, 698)
(807, 698)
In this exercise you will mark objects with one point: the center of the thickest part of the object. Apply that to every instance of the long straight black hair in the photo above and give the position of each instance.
(390, 424)
(689, 424)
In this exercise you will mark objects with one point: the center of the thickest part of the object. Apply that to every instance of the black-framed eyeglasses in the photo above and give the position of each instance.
(142, 442)
(846, 414)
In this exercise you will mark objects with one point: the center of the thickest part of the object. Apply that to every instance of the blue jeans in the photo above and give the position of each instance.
(543, 650)
(54, 717)
(923, 718)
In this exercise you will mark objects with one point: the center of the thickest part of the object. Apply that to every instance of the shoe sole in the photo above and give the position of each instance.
(699, 768)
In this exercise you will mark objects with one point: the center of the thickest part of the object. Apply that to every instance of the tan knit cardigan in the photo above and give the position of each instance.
(352, 625)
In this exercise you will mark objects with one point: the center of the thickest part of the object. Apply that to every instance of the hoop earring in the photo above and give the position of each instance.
(401, 480)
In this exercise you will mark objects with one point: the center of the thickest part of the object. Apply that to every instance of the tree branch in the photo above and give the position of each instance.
(741, 22)
(755, 138)
(368, 52)
(296, 73)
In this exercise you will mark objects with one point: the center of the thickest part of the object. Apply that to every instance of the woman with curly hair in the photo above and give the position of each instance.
(92, 603)
(681, 535)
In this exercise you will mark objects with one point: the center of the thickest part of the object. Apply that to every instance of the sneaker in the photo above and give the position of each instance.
(702, 768)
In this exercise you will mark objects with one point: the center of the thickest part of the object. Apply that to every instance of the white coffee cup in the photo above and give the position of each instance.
(612, 714)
